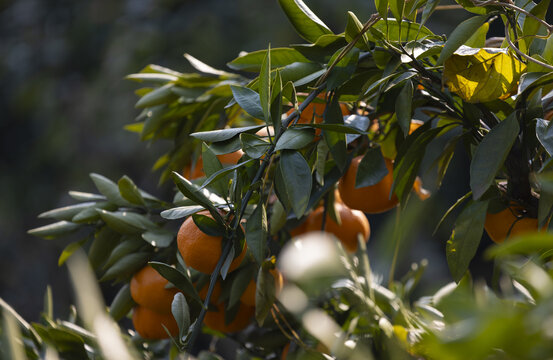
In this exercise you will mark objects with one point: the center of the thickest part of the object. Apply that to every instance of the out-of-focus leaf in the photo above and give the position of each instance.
(109, 189)
(122, 303)
(161, 95)
(544, 132)
(67, 212)
(482, 75)
(129, 191)
(54, 230)
(158, 237)
(265, 294)
(465, 238)
(125, 222)
(265, 86)
(526, 244)
(491, 153)
(126, 266)
(70, 250)
(306, 23)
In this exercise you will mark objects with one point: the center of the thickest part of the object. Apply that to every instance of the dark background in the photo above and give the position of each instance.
(64, 102)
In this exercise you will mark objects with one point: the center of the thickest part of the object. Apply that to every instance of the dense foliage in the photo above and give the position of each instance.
(362, 90)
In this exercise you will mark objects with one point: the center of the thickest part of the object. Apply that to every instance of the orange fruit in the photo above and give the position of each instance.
(353, 222)
(372, 199)
(548, 115)
(509, 222)
(148, 323)
(216, 319)
(314, 113)
(214, 296)
(198, 171)
(201, 251)
(148, 289)
(414, 125)
(248, 297)
(421, 192)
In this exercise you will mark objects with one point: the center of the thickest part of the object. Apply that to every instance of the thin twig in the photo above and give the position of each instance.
(516, 8)
(516, 49)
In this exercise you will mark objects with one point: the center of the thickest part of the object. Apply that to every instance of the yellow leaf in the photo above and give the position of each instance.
(481, 75)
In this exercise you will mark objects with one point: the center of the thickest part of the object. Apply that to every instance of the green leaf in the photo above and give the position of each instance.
(265, 294)
(544, 133)
(125, 247)
(181, 211)
(336, 141)
(544, 207)
(125, 267)
(372, 169)
(478, 39)
(200, 197)
(126, 222)
(248, 100)
(344, 69)
(280, 57)
(66, 212)
(204, 68)
(410, 31)
(208, 226)
(83, 196)
(225, 134)
(294, 139)
(54, 230)
(240, 281)
(265, 86)
(404, 107)
(108, 188)
(224, 172)
(256, 233)
(159, 237)
(129, 191)
(159, 96)
(175, 277)
(254, 146)
(396, 7)
(339, 128)
(465, 238)
(428, 10)
(102, 245)
(70, 250)
(211, 166)
(353, 28)
(491, 153)
(382, 8)
(181, 313)
(460, 35)
(276, 105)
(531, 26)
(122, 303)
(306, 23)
(297, 180)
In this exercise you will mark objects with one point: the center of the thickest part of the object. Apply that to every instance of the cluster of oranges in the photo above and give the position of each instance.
(149, 290)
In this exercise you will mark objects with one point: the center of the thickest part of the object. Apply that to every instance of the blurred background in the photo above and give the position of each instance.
(64, 102)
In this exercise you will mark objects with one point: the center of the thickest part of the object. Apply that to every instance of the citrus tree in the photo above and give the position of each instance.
(276, 163)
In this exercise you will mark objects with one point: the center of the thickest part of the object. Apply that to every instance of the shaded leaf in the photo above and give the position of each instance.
(122, 303)
(129, 191)
(256, 233)
(54, 230)
(248, 100)
(465, 238)
(297, 180)
(491, 153)
(372, 169)
(460, 35)
(181, 313)
(294, 139)
(254, 146)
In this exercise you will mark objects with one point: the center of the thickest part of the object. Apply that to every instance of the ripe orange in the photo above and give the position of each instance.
(214, 296)
(314, 113)
(201, 251)
(421, 192)
(509, 222)
(372, 199)
(248, 297)
(148, 289)
(148, 323)
(353, 222)
(216, 319)
(285, 350)
(198, 171)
